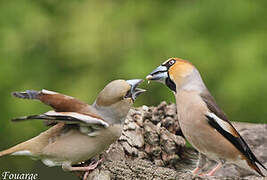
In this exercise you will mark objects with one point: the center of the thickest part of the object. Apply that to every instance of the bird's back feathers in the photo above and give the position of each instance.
(212, 105)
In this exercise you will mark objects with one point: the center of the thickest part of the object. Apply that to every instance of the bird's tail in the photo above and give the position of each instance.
(253, 162)
(28, 94)
(19, 149)
(254, 166)
(34, 146)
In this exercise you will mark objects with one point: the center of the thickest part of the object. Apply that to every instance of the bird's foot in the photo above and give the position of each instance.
(211, 173)
(91, 167)
(195, 171)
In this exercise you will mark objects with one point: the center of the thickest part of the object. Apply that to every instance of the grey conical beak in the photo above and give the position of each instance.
(135, 91)
(160, 74)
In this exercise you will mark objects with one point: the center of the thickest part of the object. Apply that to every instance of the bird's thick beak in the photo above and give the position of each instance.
(135, 91)
(160, 74)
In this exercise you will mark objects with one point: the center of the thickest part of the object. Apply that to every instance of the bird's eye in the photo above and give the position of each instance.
(171, 62)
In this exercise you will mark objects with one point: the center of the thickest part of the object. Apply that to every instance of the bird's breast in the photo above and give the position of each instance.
(194, 125)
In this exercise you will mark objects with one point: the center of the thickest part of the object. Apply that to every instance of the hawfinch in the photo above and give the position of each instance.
(201, 120)
(82, 131)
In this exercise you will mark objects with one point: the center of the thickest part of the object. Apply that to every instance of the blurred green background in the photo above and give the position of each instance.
(76, 47)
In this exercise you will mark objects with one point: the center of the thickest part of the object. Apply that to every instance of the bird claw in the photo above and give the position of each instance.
(91, 167)
(86, 174)
(212, 172)
(205, 174)
(195, 171)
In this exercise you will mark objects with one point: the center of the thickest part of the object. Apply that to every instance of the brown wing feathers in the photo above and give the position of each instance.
(212, 106)
(57, 101)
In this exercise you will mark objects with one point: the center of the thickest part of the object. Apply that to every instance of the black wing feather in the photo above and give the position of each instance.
(53, 119)
(238, 142)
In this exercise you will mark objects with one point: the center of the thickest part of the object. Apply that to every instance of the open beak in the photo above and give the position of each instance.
(135, 91)
(160, 74)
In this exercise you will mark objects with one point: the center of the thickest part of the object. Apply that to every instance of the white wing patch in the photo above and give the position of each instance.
(90, 131)
(224, 124)
(22, 153)
(48, 92)
(51, 163)
(85, 118)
